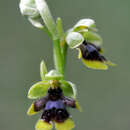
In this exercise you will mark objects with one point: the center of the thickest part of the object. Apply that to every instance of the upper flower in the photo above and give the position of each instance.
(29, 9)
(92, 56)
(83, 36)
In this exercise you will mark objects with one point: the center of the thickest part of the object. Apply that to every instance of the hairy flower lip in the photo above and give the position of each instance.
(97, 47)
(91, 52)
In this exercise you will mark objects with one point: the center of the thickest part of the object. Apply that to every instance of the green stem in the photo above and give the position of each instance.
(47, 17)
(58, 59)
(51, 28)
(45, 29)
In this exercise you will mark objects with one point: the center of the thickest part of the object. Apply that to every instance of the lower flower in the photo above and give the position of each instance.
(54, 106)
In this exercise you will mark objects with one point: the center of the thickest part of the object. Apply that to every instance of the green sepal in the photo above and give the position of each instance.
(74, 39)
(54, 75)
(43, 70)
(59, 28)
(85, 24)
(93, 37)
(38, 90)
(78, 106)
(69, 89)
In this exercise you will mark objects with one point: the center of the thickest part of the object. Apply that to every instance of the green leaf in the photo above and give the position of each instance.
(43, 70)
(38, 90)
(74, 39)
(54, 75)
(93, 38)
(69, 89)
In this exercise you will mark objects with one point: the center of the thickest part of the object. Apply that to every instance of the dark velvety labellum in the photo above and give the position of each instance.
(54, 105)
(40, 104)
(55, 94)
(91, 52)
(59, 115)
(69, 102)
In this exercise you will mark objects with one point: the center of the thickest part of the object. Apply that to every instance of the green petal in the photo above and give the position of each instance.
(69, 89)
(66, 125)
(78, 106)
(79, 53)
(74, 39)
(31, 110)
(43, 70)
(42, 125)
(38, 90)
(95, 64)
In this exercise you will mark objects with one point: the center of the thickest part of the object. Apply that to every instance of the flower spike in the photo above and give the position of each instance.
(53, 94)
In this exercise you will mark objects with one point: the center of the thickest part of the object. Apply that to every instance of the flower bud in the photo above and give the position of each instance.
(28, 8)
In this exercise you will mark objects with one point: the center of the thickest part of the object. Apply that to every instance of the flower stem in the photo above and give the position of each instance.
(51, 27)
(65, 48)
(47, 17)
(45, 29)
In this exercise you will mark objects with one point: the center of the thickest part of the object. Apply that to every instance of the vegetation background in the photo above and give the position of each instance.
(103, 95)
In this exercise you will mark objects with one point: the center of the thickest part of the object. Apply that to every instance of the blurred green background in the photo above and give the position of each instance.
(103, 95)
